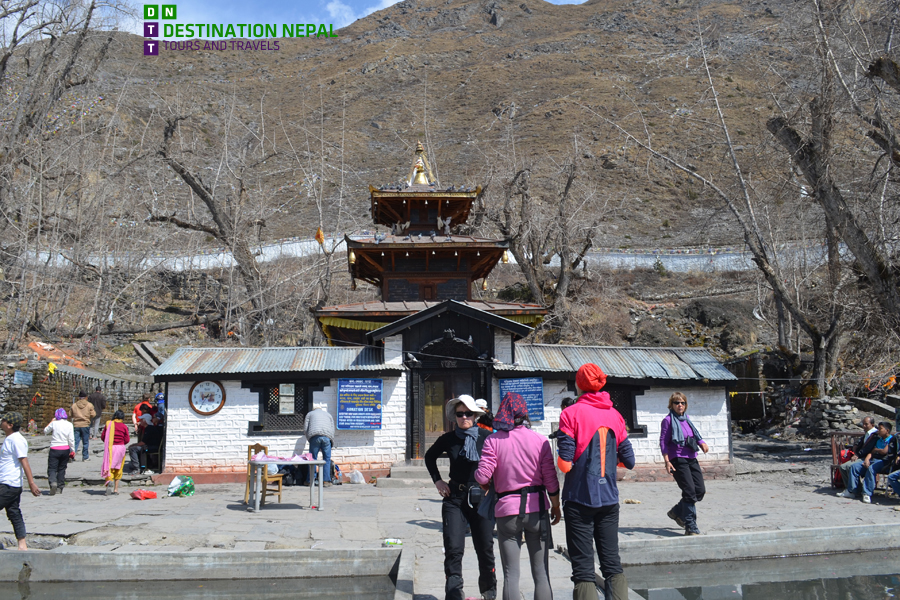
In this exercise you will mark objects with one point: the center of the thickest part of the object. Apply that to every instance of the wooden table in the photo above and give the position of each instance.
(256, 467)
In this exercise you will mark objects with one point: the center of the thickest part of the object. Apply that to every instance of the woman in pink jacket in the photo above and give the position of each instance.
(520, 462)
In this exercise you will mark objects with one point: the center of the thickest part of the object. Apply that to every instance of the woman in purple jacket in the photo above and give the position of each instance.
(520, 462)
(679, 445)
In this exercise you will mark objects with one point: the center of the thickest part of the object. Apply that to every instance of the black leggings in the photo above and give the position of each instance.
(9, 499)
(57, 461)
(456, 513)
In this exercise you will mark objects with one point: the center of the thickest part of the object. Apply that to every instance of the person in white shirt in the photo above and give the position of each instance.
(62, 448)
(13, 461)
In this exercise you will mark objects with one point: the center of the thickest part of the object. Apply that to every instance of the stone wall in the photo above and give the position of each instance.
(40, 400)
(823, 416)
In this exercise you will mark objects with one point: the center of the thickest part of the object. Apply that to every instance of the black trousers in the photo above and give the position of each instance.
(586, 526)
(456, 514)
(9, 499)
(689, 478)
(57, 461)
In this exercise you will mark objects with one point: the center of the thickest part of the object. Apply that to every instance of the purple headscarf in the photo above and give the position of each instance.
(511, 408)
(60, 414)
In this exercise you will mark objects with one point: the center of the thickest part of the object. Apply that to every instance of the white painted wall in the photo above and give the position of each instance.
(708, 410)
(218, 443)
(503, 346)
(707, 407)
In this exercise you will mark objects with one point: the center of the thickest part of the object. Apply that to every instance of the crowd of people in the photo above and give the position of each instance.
(876, 453)
(502, 474)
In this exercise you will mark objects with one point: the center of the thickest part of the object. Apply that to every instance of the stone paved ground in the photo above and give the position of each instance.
(773, 493)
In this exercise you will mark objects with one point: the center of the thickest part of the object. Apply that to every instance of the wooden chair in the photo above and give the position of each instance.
(274, 480)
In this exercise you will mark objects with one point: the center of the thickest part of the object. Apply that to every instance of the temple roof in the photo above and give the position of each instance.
(414, 240)
(378, 308)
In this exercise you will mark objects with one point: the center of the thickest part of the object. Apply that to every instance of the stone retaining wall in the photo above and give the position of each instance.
(47, 392)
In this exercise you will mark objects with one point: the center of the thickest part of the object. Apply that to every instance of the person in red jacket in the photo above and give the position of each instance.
(592, 440)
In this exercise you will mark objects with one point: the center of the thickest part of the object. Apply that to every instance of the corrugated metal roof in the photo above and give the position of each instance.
(627, 363)
(271, 360)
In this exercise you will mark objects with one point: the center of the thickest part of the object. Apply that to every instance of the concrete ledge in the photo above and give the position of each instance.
(711, 470)
(759, 544)
(396, 482)
(404, 573)
(204, 564)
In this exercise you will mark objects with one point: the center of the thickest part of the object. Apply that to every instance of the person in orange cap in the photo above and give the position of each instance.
(592, 440)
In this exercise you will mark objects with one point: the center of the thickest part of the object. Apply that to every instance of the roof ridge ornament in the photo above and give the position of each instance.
(417, 174)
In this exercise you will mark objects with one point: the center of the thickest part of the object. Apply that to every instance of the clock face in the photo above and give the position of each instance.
(207, 397)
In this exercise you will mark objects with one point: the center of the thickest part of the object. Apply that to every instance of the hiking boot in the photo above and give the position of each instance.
(867, 499)
(691, 530)
(674, 516)
(52, 489)
(59, 490)
(326, 484)
(617, 587)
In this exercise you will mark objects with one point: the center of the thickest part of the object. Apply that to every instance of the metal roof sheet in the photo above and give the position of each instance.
(271, 360)
(626, 363)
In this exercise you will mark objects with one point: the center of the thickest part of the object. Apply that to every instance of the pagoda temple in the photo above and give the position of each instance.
(418, 260)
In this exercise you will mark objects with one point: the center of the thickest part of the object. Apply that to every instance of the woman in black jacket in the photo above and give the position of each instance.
(461, 498)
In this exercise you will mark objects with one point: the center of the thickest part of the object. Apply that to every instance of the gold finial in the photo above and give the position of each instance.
(417, 175)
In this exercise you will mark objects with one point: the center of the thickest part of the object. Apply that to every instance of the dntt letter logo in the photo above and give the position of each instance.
(151, 11)
(151, 48)
(151, 30)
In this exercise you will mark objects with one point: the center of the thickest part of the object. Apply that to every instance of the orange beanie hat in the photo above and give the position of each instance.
(590, 378)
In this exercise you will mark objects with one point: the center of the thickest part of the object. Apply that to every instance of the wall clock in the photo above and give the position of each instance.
(207, 397)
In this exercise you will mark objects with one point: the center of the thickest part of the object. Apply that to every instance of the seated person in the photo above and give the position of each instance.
(145, 418)
(877, 459)
(150, 442)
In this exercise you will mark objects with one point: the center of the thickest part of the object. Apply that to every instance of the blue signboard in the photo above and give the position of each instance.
(531, 389)
(359, 403)
(22, 377)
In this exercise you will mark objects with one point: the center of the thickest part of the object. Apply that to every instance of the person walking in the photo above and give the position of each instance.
(14, 462)
(62, 448)
(319, 427)
(592, 440)
(520, 462)
(98, 401)
(115, 439)
(679, 441)
(82, 414)
(461, 496)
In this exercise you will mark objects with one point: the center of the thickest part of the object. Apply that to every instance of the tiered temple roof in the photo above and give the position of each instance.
(418, 260)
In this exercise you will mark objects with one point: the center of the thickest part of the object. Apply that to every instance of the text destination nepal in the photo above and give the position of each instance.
(245, 30)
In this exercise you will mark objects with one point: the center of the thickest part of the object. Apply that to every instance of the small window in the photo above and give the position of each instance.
(623, 399)
(282, 406)
(428, 292)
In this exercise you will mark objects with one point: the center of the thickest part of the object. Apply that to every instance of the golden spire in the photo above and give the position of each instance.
(417, 175)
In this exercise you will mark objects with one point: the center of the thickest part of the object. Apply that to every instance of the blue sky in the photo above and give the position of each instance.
(335, 12)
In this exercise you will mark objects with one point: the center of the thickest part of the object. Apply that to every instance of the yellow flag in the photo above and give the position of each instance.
(320, 236)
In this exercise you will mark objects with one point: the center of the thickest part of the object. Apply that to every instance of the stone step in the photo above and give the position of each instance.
(396, 483)
(874, 406)
(893, 400)
(420, 462)
(410, 473)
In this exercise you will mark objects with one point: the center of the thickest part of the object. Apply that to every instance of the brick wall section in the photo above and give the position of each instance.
(502, 347)
(218, 443)
(707, 407)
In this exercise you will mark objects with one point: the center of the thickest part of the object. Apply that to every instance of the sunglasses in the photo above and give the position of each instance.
(467, 413)
(679, 402)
